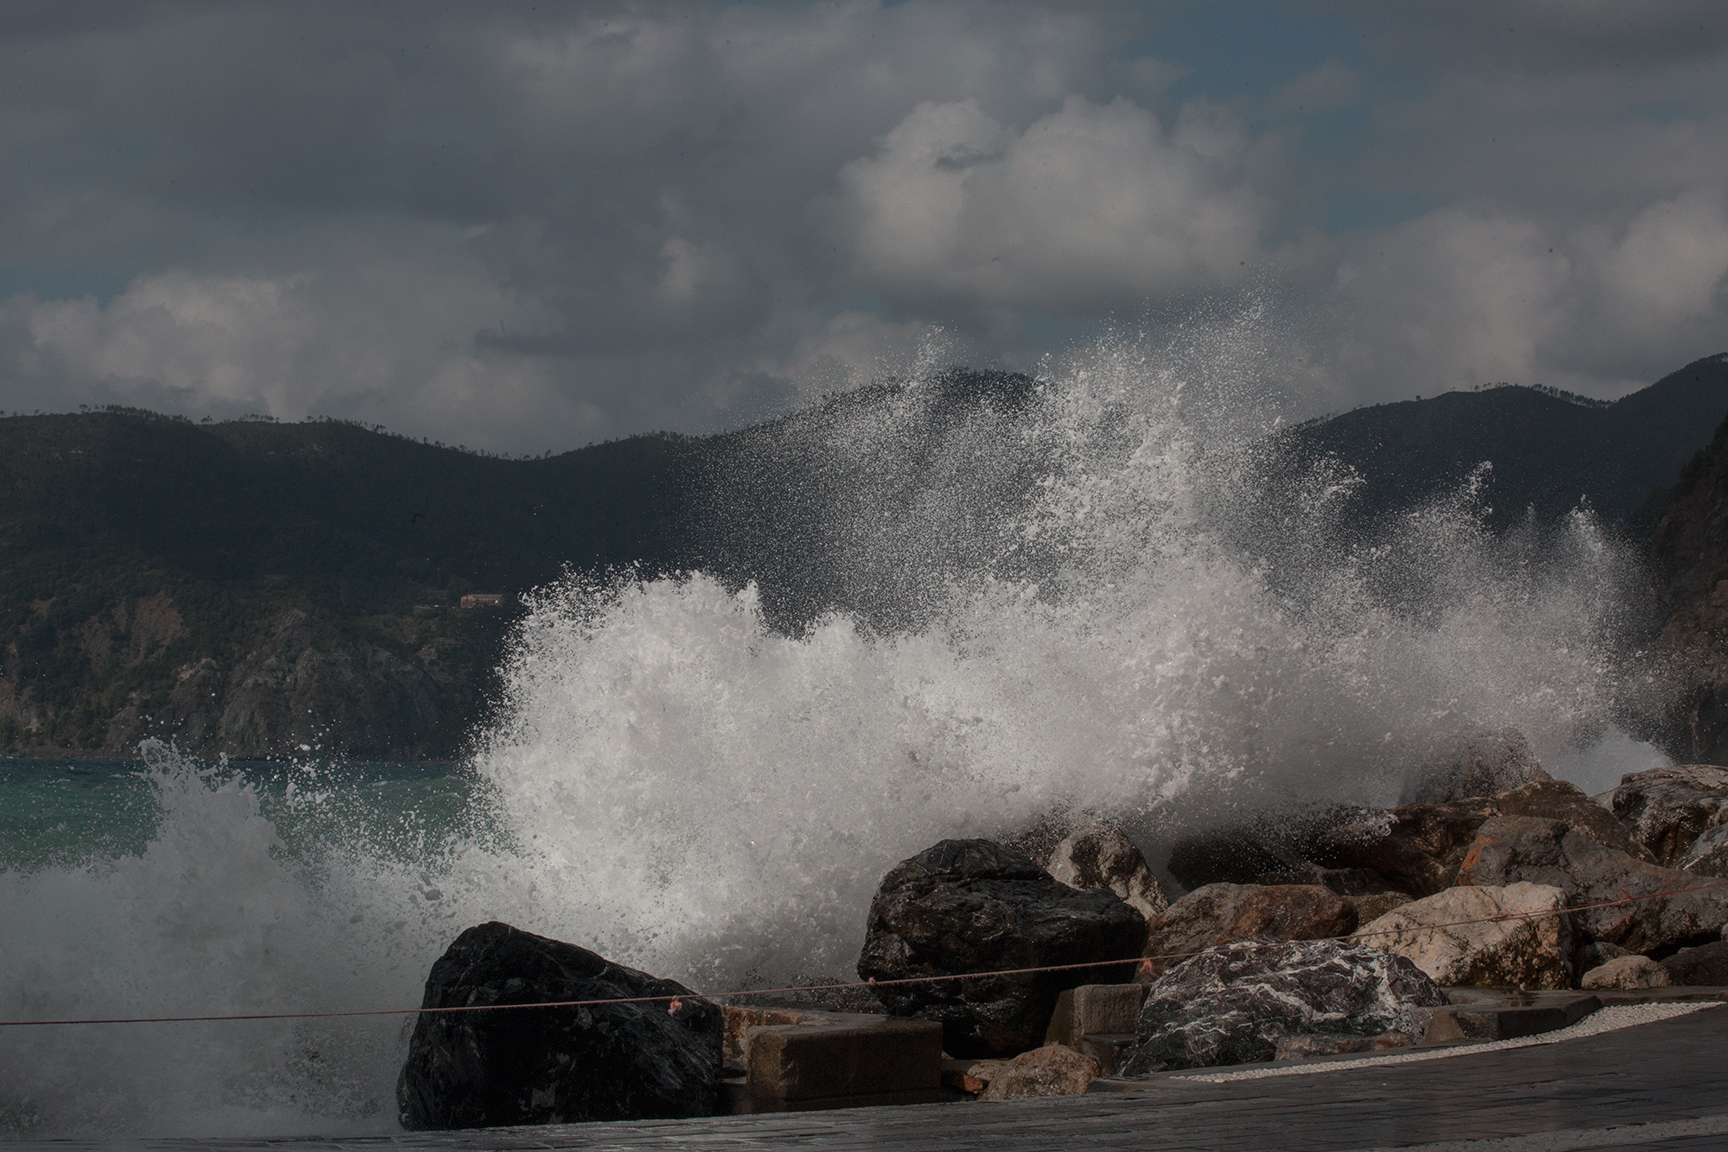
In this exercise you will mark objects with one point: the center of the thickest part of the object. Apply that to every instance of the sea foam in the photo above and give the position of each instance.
(1144, 631)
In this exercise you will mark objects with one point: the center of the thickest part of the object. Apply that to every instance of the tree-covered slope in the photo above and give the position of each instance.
(250, 587)
(160, 577)
(1547, 450)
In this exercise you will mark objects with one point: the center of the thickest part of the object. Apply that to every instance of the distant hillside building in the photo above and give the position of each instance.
(482, 600)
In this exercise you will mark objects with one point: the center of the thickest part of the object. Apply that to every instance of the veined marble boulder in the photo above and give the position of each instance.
(1235, 1004)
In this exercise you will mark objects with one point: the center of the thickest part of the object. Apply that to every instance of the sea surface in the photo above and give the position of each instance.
(682, 787)
(75, 813)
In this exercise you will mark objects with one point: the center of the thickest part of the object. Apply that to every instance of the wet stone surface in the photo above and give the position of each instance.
(1235, 1004)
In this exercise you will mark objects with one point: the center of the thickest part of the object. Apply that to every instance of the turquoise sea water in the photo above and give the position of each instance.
(171, 886)
(58, 813)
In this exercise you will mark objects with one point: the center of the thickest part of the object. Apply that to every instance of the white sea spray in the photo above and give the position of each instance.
(684, 787)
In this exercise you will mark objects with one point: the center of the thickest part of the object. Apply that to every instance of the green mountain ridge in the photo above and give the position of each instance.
(254, 587)
(1548, 452)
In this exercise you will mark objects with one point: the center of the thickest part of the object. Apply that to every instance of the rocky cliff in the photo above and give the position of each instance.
(283, 683)
(1688, 663)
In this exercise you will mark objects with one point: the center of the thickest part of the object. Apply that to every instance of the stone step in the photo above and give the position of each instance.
(1502, 1020)
(1106, 1048)
(833, 1060)
(1095, 1008)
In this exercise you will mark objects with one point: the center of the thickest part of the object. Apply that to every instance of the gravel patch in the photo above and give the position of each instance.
(1607, 1019)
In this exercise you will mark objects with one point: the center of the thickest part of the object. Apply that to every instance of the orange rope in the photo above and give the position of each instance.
(1499, 917)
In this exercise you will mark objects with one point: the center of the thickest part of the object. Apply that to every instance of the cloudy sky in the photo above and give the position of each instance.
(528, 226)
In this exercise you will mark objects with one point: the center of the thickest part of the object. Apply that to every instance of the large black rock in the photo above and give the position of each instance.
(1233, 1004)
(975, 906)
(1706, 964)
(640, 1061)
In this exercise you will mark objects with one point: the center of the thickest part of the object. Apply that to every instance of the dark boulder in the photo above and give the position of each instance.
(1235, 1004)
(1563, 800)
(650, 1060)
(1237, 854)
(1508, 849)
(1708, 855)
(1415, 846)
(1706, 965)
(968, 906)
(1667, 808)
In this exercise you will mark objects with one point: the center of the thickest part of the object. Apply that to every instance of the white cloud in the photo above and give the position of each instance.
(377, 334)
(1668, 269)
(220, 339)
(1467, 296)
(1453, 299)
(527, 229)
(1090, 207)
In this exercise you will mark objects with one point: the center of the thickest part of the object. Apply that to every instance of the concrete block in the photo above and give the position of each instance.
(753, 1105)
(1106, 1048)
(1095, 1008)
(1487, 1020)
(739, 1021)
(1443, 1027)
(879, 1056)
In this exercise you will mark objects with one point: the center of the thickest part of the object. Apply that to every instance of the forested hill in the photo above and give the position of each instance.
(1547, 449)
(255, 586)
(250, 586)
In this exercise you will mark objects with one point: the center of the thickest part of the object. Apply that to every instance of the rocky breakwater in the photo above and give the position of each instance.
(1538, 886)
(1601, 884)
(653, 1059)
(966, 910)
(1446, 798)
(1681, 813)
(1348, 944)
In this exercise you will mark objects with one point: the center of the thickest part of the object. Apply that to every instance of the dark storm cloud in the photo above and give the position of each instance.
(1552, 35)
(528, 228)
